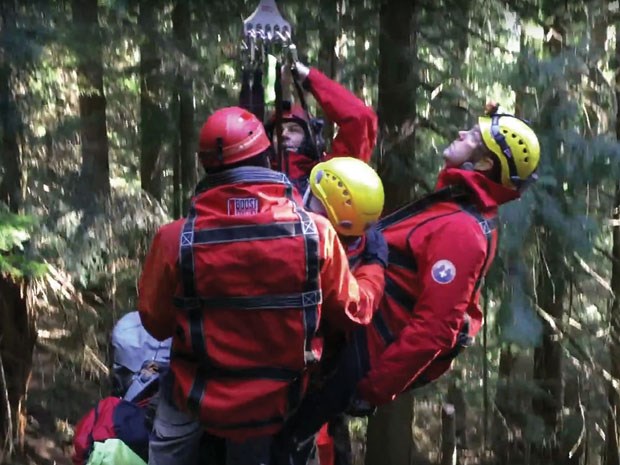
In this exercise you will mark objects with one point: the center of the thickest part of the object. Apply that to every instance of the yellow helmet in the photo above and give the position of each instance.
(351, 193)
(514, 143)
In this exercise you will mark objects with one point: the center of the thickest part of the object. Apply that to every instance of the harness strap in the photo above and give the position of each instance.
(245, 96)
(194, 305)
(413, 208)
(402, 297)
(258, 94)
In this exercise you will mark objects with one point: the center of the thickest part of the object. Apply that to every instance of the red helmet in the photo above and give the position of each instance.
(231, 135)
(296, 112)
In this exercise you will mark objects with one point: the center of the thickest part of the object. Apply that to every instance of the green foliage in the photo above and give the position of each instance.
(15, 255)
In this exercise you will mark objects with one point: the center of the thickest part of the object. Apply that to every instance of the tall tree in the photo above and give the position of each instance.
(88, 42)
(153, 123)
(398, 82)
(329, 33)
(10, 174)
(390, 439)
(17, 331)
(552, 273)
(181, 23)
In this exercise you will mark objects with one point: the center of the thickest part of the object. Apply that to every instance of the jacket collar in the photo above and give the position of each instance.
(251, 174)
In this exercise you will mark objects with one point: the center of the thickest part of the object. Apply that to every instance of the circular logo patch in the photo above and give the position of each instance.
(443, 271)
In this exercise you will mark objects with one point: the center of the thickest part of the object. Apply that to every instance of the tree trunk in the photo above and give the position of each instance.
(548, 358)
(95, 173)
(503, 441)
(612, 455)
(359, 78)
(10, 172)
(390, 433)
(17, 332)
(152, 115)
(448, 435)
(390, 430)
(456, 398)
(551, 294)
(181, 17)
(398, 82)
(17, 340)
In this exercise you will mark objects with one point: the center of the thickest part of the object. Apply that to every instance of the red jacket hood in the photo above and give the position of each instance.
(489, 194)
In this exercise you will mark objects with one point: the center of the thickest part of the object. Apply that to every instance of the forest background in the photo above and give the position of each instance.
(100, 104)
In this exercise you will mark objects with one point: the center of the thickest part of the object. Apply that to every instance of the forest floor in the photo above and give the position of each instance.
(57, 399)
(68, 378)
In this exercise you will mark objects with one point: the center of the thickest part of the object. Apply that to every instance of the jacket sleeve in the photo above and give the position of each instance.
(158, 283)
(449, 268)
(357, 122)
(349, 299)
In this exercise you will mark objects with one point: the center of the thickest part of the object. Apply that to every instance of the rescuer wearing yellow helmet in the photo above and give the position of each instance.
(440, 249)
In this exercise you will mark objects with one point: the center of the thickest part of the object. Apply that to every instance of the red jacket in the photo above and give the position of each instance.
(242, 325)
(357, 127)
(438, 257)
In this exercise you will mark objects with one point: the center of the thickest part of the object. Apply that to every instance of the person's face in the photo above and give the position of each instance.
(462, 149)
(292, 136)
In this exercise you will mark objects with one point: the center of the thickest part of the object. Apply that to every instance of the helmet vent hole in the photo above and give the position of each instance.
(345, 192)
(340, 184)
(526, 159)
(520, 141)
(348, 202)
(250, 133)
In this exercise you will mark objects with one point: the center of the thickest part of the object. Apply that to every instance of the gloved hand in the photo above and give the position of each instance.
(376, 249)
(300, 71)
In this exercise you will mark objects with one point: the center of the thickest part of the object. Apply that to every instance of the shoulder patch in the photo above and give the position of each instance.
(242, 206)
(443, 271)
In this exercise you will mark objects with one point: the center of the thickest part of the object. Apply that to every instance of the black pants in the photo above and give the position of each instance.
(295, 443)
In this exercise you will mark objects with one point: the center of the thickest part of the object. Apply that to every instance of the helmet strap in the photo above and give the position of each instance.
(503, 145)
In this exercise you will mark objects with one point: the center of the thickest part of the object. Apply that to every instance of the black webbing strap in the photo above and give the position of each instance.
(258, 94)
(278, 116)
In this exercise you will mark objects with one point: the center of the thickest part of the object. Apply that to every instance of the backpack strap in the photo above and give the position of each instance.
(308, 300)
(487, 225)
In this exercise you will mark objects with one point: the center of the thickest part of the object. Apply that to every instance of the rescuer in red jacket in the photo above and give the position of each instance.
(302, 141)
(241, 285)
(349, 193)
(440, 250)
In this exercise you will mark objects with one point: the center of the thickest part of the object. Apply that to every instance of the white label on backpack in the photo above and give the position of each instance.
(443, 271)
(241, 207)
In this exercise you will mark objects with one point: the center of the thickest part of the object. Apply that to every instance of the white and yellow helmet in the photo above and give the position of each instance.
(351, 193)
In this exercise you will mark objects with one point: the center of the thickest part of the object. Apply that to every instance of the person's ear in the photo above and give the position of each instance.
(484, 164)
